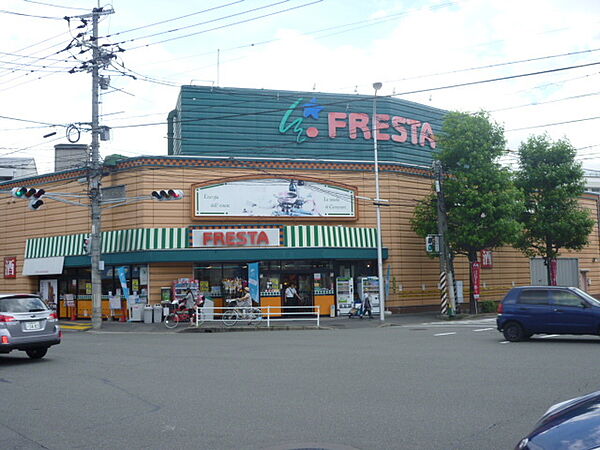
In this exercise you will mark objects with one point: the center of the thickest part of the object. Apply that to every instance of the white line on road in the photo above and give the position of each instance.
(504, 342)
(483, 329)
(549, 336)
(444, 334)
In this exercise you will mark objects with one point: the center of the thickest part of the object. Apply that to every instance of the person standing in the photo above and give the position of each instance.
(291, 294)
(190, 299)
(366, 307)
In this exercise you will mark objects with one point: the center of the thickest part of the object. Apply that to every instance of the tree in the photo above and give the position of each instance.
(482, 203)
(552, 181)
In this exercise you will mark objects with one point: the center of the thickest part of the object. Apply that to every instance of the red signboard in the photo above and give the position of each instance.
(10, 267)
(476, 278)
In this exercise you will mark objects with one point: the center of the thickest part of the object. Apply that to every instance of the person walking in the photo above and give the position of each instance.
(366, 307)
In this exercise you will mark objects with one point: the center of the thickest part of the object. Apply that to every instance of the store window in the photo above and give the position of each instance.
(209, 277)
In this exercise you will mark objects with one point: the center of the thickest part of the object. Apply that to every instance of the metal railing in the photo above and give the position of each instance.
(260, 314)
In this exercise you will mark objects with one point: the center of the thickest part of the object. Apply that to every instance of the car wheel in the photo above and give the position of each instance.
(37, 353)
(513, 332)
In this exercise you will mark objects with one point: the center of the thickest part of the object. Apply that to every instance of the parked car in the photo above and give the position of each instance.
(529, 310)
(27, 324)
(573, 424)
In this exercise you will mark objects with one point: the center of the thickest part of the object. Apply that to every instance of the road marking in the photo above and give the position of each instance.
(444, 334)
(549, 336)
(483, 329)
(75, 327)
(504, 342)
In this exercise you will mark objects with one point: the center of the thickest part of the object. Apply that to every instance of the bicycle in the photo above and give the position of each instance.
(183, 315)
(241, 312)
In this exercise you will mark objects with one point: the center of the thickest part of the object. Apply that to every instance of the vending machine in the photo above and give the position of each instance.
(370, 286)
(344, 290)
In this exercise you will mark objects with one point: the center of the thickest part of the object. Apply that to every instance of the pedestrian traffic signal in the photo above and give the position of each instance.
(432, 243)
(34, 196)
(167, 194)
(87, 248)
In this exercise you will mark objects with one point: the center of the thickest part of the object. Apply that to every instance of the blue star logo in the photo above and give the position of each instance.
(312, 109)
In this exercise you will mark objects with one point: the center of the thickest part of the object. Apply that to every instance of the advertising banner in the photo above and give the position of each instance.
(254, 281)
(268, 197)
(476, 274)
(123, 280)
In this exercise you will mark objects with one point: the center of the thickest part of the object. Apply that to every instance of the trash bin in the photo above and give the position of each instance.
(158, 311)
(148, 311)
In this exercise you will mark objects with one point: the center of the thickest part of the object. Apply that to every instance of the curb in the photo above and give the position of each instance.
(246, 329)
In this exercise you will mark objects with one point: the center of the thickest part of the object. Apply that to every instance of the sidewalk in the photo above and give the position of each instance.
(326, 323)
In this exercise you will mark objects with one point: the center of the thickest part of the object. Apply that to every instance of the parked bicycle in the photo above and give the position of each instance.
(241, 311)
(184, 313)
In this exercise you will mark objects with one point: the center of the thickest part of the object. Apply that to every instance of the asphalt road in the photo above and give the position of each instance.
(433, 386)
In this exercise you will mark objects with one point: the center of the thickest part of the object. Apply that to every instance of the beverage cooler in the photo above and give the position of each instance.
(370, 286)
(344, 290)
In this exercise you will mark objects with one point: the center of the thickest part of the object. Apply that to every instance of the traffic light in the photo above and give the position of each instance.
(87, 246)
(432, 243)
(34, 196)
(167, 194)
(429, 243)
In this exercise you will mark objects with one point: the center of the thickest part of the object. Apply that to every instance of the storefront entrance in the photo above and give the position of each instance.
(303, 285)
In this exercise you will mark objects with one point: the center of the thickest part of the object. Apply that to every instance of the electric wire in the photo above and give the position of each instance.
(450, 86)
(171, 20)
(227, 25)
(3, 11)
(54, 6)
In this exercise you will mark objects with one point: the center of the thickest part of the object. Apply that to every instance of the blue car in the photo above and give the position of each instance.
(529, 310)
(574, 424)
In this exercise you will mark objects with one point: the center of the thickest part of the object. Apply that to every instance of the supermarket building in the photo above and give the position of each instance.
(279, 178)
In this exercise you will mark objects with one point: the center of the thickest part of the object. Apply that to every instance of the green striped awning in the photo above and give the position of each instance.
(112, 242)
(328, 236)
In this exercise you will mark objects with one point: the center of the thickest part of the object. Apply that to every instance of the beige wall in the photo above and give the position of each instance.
(414, 275)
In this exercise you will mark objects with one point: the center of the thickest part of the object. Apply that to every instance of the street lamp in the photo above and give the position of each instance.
(377, 202)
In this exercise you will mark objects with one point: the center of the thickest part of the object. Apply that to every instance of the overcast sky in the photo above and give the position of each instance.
(329, 46)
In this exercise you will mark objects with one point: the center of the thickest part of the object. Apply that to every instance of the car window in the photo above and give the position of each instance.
(566, 298)
(588, 297)
(534, 297)
(21, 304)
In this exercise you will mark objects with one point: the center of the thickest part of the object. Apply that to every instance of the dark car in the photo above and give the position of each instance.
(573, 424)
(27, 324)
(529, 310)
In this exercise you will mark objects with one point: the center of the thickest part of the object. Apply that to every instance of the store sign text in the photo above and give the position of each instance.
(252, 237)
(358, 125)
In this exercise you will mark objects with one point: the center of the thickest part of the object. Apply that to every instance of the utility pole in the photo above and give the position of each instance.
(446, 266)
(95, 175)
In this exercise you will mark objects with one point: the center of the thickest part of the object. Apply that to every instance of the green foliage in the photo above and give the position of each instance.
(488, 306)
(552, 182)
(482, 203)
(114, 159)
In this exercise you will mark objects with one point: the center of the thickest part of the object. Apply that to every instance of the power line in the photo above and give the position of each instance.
(546, 102)
(54, 6)
(227, 25)
(173, 19)
(450, 86)
(29, 15)
(553, 124)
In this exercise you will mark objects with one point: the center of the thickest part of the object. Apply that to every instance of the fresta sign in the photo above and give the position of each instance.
(272, 124)
(359, 125)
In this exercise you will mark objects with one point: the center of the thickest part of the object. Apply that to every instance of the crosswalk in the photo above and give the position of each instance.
(483, 323)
